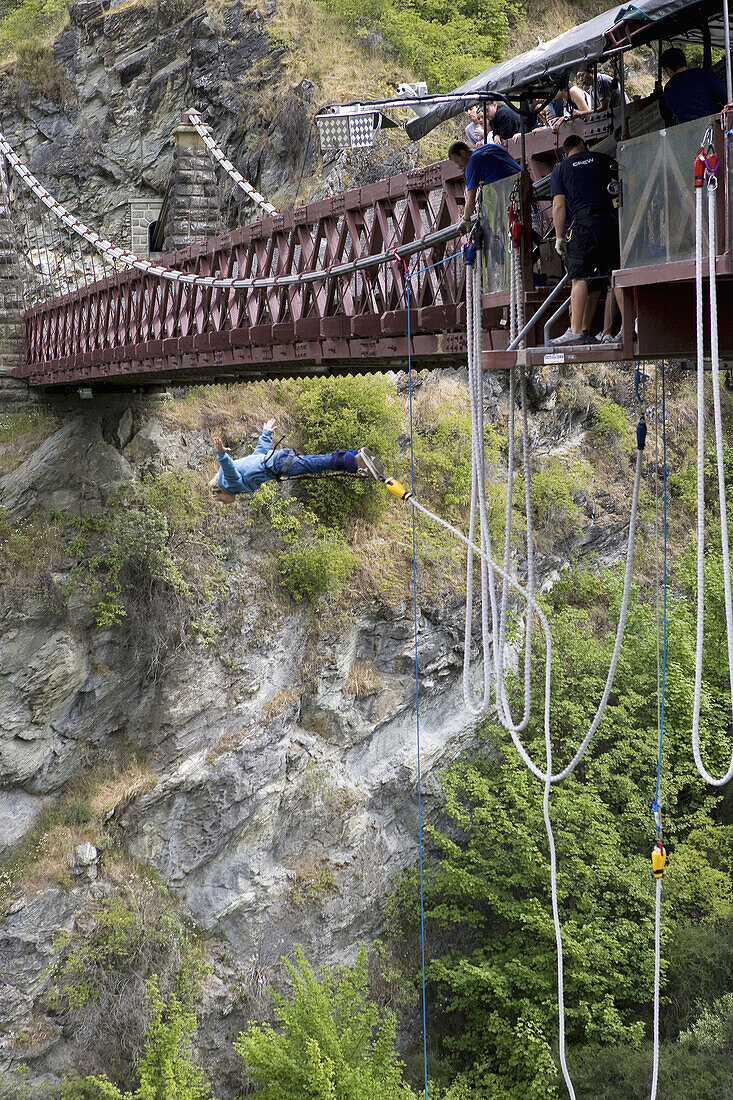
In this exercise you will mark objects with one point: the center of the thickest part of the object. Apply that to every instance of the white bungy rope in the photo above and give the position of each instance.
(715, 370)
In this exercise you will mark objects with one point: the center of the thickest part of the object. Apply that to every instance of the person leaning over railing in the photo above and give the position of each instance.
(485, 165)
(475, 130)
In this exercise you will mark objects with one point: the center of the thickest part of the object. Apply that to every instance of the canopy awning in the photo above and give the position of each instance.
(546, 66)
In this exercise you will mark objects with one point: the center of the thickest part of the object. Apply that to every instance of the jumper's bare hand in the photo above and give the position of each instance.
(218, 444)
(269, 425)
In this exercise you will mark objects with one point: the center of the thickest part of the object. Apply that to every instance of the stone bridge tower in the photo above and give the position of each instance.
(191, 207)
(12, 332)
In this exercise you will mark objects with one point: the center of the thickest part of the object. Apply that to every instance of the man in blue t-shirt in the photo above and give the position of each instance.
(690, 93)
(485, 165)
(583, 187)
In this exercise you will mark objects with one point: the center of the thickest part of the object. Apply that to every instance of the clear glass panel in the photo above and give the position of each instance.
(495, 224)
(657, 219)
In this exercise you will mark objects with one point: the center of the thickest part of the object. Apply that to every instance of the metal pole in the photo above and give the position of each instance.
(622, 86)
(540, 313)
(728, 76)
(524, 104)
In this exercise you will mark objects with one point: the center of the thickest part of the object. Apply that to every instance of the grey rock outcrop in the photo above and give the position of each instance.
(296, 832)
(72, 471)
(29, 945)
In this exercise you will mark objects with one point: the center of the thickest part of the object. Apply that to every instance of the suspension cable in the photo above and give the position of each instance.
(123, 256)
(204, 132)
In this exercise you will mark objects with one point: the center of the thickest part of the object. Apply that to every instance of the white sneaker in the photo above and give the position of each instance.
(609, 338)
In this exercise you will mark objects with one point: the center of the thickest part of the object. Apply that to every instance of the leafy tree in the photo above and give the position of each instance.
(487, 895)
(333, 1043)
(347, 412)
(445, 41)
(166, 1071)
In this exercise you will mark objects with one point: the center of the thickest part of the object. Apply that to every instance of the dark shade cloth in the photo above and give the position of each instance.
(506, 122)
(694, 93)
(552, 61)
(488, 164)
(583, 179)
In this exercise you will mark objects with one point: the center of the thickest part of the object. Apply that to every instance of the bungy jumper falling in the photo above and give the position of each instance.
(667, 173)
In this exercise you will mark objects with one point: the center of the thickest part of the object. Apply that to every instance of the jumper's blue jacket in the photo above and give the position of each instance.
(245, 475)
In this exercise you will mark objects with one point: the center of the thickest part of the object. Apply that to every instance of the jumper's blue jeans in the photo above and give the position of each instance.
(286, 463)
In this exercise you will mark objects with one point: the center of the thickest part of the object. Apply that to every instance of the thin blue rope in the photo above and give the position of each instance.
(417, 697)
(655, 804)
(420, 270)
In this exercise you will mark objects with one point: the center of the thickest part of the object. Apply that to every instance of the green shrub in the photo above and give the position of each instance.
(555, 489)
(166, 1070)
(35, 67)
(346, 413)
(99, 985)
(610, 424)
(78, 813)
(445, 42)
(332, 1041)
(315, 570)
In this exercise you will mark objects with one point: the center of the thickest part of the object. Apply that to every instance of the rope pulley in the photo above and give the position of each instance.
(706, 162)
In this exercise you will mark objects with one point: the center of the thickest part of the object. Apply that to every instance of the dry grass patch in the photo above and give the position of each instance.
(383, 554)
(364, 679)
(281, 702)
(136, 780)
(228, 743)
(236, 410)
(327, 49)
(433, 400)
(21, 434)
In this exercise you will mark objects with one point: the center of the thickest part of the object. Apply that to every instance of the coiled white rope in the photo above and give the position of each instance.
(218, 154)
(494, 611)
(494, 669)
(715, 379)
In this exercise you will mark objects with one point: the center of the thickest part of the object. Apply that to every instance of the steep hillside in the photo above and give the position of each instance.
(207, 715)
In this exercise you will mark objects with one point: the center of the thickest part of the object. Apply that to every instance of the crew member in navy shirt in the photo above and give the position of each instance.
(583, 186)
(487, 164)
(690, 93)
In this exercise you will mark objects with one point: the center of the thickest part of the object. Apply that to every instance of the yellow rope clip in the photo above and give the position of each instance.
(396, 489)
(659, 859)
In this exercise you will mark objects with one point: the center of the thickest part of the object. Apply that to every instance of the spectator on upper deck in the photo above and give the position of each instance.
(505, 121)
(475, 129)
(571, 100)
(690, 93)
(604, 93)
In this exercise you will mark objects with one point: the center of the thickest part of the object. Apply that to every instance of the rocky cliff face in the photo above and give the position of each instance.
(286, 798)
(283, 797)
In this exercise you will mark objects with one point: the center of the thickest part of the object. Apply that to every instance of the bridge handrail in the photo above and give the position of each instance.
(146, 267)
